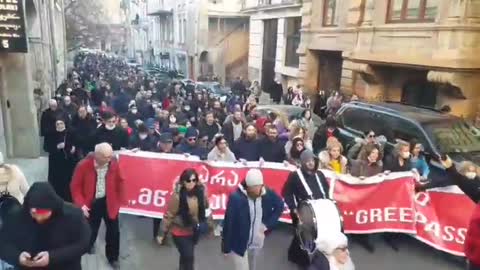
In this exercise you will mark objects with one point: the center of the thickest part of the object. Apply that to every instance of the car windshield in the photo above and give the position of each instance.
(454, 136)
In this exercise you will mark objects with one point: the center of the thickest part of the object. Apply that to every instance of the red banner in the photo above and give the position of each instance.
(383, 203)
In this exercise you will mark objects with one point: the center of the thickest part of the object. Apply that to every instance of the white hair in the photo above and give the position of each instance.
(334, 265)
(103, 148)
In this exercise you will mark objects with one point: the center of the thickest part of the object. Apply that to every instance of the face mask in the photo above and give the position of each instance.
(110, 127)
(142, 136)
(471, 175)
(173, 119)
(61, 129)
(187, 108)
(134, 111)
(154, 106)
(405, 155)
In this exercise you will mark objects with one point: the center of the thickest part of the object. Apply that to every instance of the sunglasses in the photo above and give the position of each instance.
(195, 180)
(192, 139)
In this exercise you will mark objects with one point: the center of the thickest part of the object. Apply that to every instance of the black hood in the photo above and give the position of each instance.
(43, 196)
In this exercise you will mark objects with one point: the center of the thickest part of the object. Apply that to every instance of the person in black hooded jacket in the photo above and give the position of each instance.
(110, 133)
(45, 234)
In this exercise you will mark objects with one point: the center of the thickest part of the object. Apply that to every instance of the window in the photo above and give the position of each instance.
(412, 10)
(293, 26)
(329, 13)
(264, 2)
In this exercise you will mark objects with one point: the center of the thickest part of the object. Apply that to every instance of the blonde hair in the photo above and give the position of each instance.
(465, 167)
(332, 143)
(400, 145)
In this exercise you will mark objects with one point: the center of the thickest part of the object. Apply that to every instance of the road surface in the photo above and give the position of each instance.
(138, 251)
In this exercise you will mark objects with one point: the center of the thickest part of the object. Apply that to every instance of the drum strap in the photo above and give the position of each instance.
(307, 188)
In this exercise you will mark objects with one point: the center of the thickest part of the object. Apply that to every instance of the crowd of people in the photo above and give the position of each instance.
(105, 106)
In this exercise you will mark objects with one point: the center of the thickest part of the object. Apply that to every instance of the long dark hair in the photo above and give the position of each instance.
(198, 192)
(294, 153)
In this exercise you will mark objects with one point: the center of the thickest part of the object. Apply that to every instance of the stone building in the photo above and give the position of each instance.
(422, 52)
(40, 66)
(274, 40)
(202, 38)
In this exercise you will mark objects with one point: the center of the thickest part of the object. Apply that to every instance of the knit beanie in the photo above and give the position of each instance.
(254, 178)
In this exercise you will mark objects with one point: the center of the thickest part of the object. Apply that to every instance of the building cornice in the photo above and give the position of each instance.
(270, 8)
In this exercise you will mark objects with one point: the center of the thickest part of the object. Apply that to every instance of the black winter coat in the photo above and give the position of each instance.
(117, 137)
(294, 192)
(48, 119)
(65, 236)
(84, 129)
(245, 149)
(272, 151)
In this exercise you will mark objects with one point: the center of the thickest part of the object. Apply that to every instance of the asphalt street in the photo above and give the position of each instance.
(139, 251)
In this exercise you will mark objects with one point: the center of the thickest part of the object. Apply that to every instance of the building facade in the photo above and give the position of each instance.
(96, 25)
(416, 52)
(274, 40)
(200, 38)
(40, 69)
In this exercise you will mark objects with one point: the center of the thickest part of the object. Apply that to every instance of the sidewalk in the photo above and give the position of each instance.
(35, 169)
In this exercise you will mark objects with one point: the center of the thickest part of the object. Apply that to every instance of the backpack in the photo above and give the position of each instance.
(7, 204)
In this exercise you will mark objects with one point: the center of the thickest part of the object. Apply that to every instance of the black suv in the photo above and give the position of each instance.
(440, 133)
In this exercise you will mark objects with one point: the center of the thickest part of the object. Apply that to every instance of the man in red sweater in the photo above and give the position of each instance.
(97, 188)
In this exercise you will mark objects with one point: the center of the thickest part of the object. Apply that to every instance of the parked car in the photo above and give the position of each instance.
(440, 133)
(216, 89)
(292, 112)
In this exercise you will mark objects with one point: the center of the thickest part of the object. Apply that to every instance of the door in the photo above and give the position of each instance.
(270, 29)
(330, 70)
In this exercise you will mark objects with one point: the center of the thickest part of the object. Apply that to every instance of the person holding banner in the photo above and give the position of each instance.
(97, 188)
(251, 210)
(187, 217)
(306, 183)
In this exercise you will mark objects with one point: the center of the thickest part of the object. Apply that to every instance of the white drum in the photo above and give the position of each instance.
(317, 218)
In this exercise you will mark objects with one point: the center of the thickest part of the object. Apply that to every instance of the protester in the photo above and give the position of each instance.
(332, 254)
(295, 152)
(256, 90)
(46, 233)
(49, 118)
(298, 131)
(110, 133)
(187, 216)
(324, 132)
(97, 188)
(165, 144)
(358, 148)
(83, 126)
(221, 152)
(418, 160)
(233, 129)
(306, 183)
(209, 126)
(123, 123)
(246, 148)
(69, 108)
(190, 145)
(142, 140)
(251, 211)
(369, 164)
(271, 149)
(12, 180)
(331, 158)
(61, 148)
(399, 160)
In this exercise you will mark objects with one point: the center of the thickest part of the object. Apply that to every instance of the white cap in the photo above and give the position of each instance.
(254, 178)
(2, 160)
(329, 242)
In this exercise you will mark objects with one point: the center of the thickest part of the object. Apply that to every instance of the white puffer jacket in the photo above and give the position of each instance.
(13, 181)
